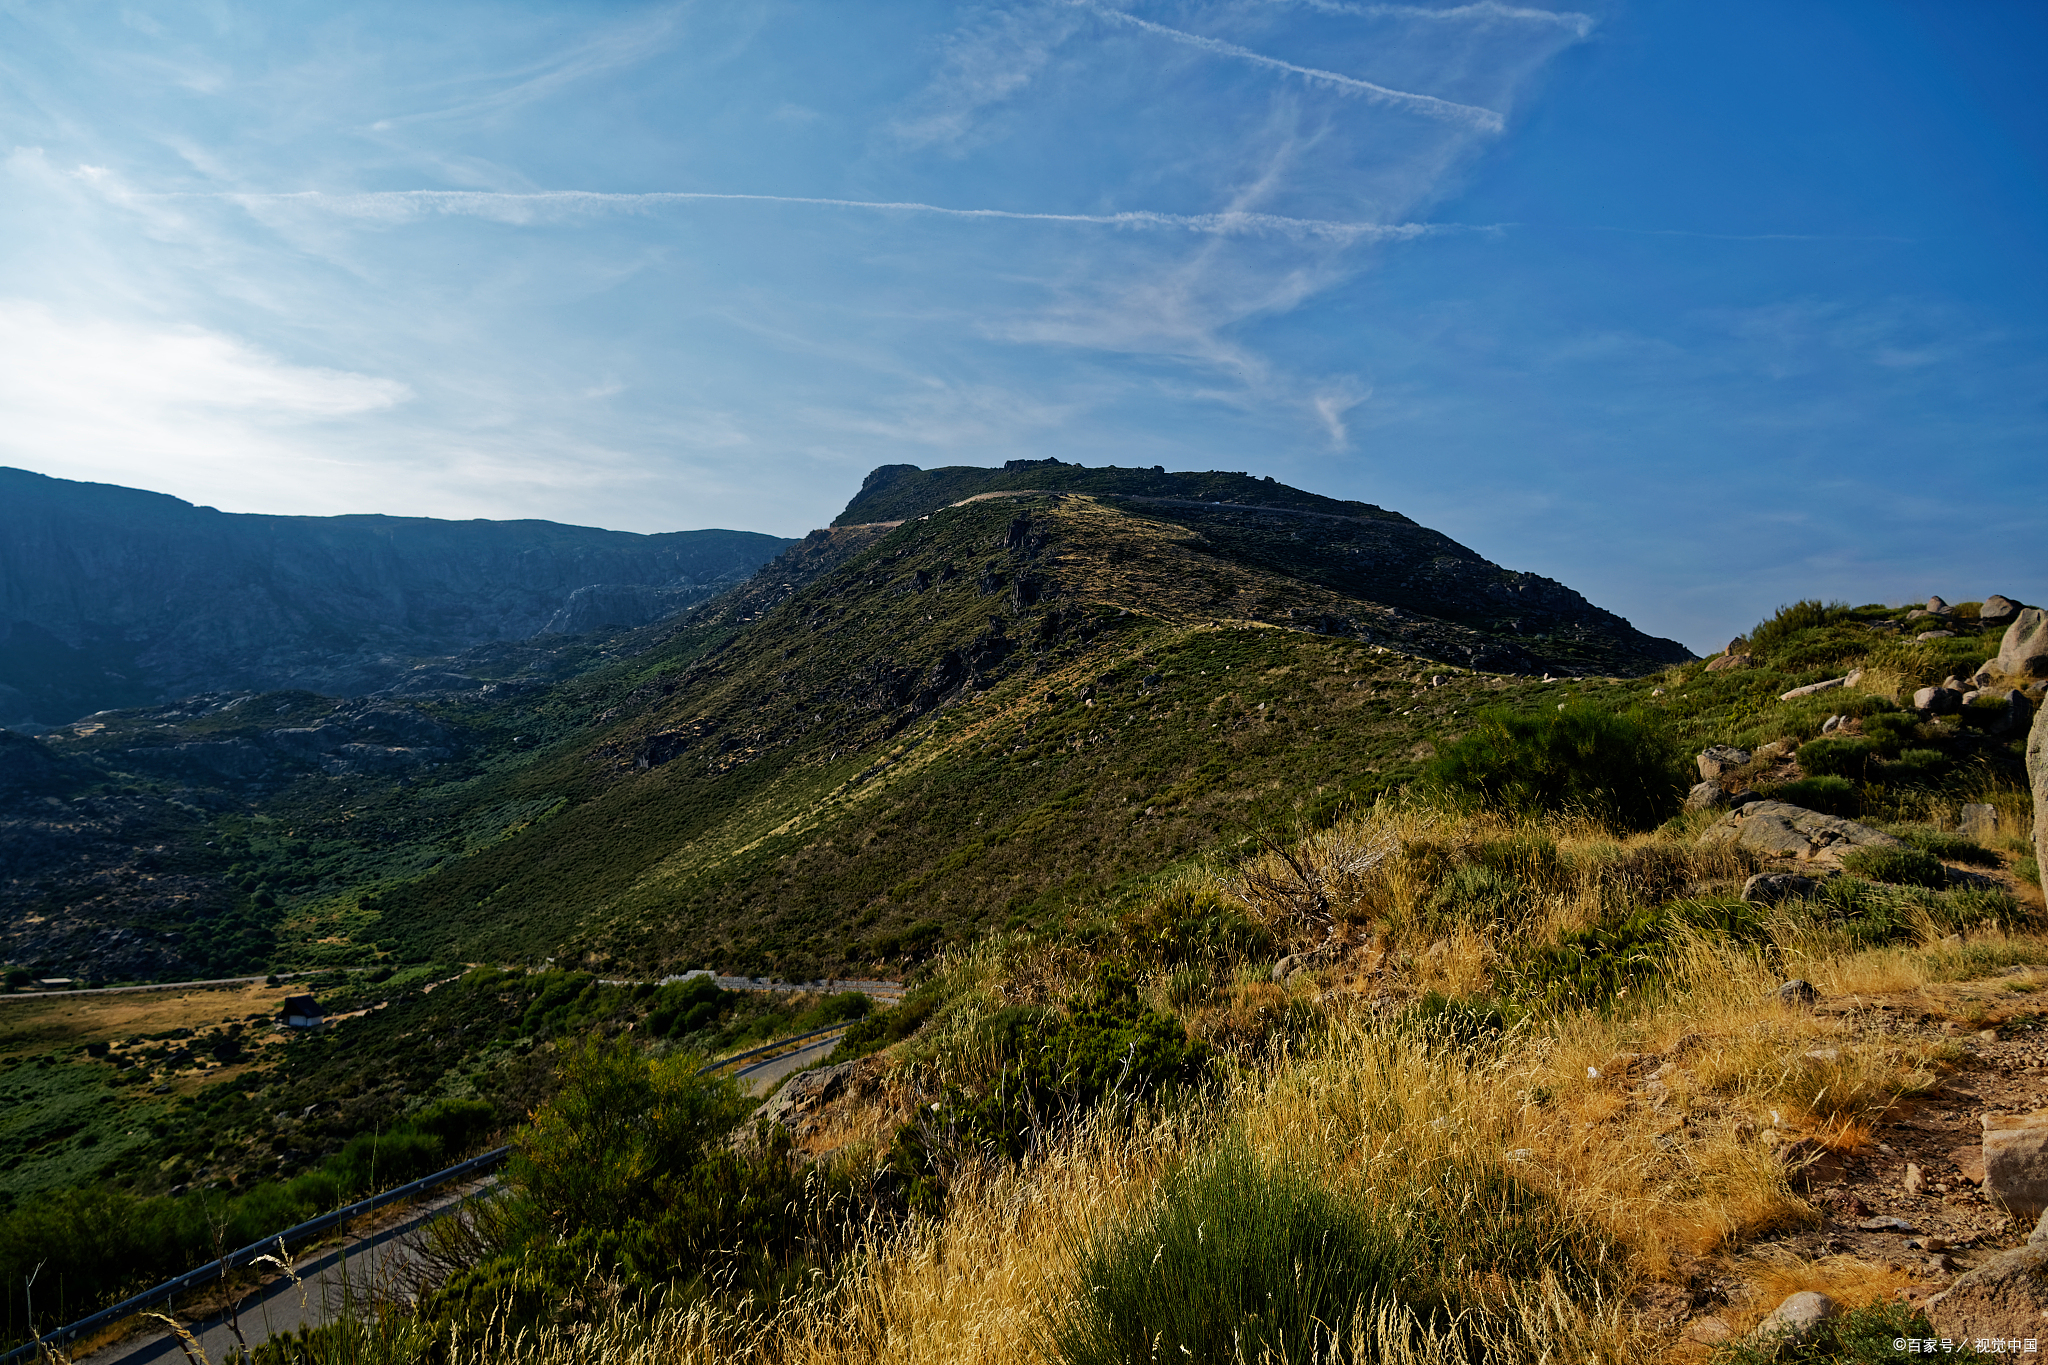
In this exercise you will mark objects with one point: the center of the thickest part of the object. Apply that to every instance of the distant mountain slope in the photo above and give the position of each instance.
(113, 596)
(1015, 709)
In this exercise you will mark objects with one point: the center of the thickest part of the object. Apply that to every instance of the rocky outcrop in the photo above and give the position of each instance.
(1416, 589)
(2016, 1163)
(1718, 760)
(2003, 1299)
(1792, 1321)
(116, 597)
(2037, 778)
(1778, 829)
(1997, 610)
(2023, 653)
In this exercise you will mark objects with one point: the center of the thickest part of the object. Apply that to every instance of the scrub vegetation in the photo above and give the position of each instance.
(1272, 993)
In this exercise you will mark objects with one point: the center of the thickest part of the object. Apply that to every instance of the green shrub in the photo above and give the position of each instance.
(1188, 927)
(629, 1168)
(1624, 767)
(1891, 731)
(1474, 891)
(1233, 1261)
(1462, 1021)
(1593, 968)
(1835, 758)
(1917, 767)
(885, 1027)
(1829, 795)
(1950, 848)
(1868, 916)
(1047, 1068)
(1789, 621)
(1897, 866)
(2027, 869)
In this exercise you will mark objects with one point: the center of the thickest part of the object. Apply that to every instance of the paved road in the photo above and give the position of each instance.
(762, 1077)
(328, 1282)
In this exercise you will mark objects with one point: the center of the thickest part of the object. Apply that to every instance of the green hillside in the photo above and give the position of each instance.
(1013, 711)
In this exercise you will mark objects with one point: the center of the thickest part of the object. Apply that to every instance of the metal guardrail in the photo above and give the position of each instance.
(769, 1047)
(213, 1271)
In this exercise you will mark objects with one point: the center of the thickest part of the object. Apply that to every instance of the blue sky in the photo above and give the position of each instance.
(1698, 308)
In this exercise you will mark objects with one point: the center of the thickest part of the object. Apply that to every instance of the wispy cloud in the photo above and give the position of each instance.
(1332, 402)
(1485, 11)
(1468, 115)
(407, 205)
(621, 45)
(989, 61)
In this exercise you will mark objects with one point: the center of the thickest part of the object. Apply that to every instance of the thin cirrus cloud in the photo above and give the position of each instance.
(1450, 111)
(526, 207)
(1486, 11)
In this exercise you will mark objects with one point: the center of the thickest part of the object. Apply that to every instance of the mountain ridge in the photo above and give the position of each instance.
(112, 596)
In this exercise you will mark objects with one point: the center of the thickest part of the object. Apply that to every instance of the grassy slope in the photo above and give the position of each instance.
(841, 777)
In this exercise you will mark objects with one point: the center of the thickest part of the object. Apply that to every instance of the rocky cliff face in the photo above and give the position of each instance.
(114, 596)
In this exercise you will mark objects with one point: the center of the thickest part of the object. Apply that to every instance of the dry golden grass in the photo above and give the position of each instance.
(1658, 1128)
(35, 1024)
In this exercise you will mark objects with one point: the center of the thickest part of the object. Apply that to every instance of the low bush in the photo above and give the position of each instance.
(629, 1170)
(1830, 795)
(1237, 1260)
(1916, 768)
(1835, 758)
(1897, 866)
(1625, 768)
(1950, 848)
(1233, 1261)
(1044, 1068)
(879, 1030)
(1809, 614)
(1595, 967)
(1891, 731)
(1193, 927)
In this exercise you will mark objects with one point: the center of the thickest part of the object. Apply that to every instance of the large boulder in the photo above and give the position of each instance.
(1779, 829)
(795, 1106)
(1720, 759)
(1938, 701)
(2016, 1163)
(2023, 653)
(1997, 610)
(2037, 778)
(1792, 1321)
(2005, 1298)
(1706, 796)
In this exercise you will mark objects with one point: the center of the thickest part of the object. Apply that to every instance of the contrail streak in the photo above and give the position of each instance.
(404, 204)
(1469, 114)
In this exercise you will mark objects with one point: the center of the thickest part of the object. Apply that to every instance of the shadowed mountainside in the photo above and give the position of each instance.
(898, 729)
(117, 597)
